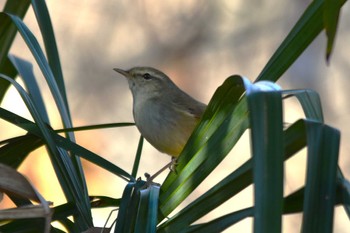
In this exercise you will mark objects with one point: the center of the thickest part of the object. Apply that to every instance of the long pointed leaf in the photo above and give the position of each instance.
(295, 140)
(38, 54)
(129, 207)
(69, 180)
(17, 149)
(331, 13)
(299, 38)
(310, 102)
(64, 143)
(222, 124)
(320, 188)
(44, 21)
(7, 35)
(220, 224)
(137, 158)
(25, 70)
(76, 168)
(267, 147)
(147, 214)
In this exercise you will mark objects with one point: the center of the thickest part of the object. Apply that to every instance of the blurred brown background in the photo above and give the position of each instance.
(198, 44)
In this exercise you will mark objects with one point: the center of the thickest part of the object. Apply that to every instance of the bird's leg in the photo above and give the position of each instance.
(171, 165)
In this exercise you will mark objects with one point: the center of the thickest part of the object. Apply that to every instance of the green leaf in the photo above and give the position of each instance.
(17, 149)
(91, 157)
(221, 192)
(44, 21)
(320, 188)
(293, 203)
(294, 140)
(148, 210)
(92, 127)
(25, 70)
(64, 211)
(220, 224)
(69, 179)
(7, 34)
(345, 187)
(103, 201)
(63, 143)
(137, 158)
(24, 225)
(309, 25)
(39, 56)
(310, 102)
(331, 11)
(266, 121)
(129, 207)
(222, 124)
(68, 168)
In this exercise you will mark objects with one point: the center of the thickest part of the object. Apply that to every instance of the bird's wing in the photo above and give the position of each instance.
(190, 106)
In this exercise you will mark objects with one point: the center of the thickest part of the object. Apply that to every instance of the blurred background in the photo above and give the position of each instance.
(198, 44)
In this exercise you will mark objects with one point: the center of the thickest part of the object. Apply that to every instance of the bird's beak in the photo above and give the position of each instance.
(125, 73)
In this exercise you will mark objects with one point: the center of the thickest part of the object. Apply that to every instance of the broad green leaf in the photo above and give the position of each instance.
(266, 123)
(221, 192)
(294, 140)
(293, 203)
(320, 188)
(222, 124)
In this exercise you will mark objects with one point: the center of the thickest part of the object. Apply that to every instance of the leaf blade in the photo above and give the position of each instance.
(266, 120)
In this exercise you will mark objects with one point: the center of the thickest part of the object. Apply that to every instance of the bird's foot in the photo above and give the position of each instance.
(171, 166)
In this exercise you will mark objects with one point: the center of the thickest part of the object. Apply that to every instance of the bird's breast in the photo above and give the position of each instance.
(163, 126)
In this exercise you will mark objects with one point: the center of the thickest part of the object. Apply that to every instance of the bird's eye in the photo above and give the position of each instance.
(146, 76)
